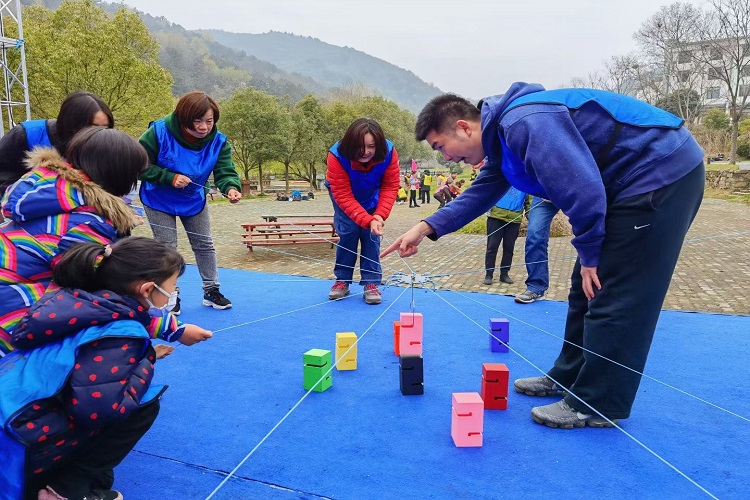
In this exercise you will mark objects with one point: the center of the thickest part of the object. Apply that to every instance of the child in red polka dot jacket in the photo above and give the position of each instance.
(76, 393)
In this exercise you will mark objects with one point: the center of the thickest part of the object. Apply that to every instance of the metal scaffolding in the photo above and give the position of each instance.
(14, 101)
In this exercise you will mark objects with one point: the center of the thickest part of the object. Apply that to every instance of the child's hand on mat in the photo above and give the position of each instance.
(194, 334)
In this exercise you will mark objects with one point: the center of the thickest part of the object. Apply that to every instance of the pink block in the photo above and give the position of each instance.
(467, 419)
(410, 337)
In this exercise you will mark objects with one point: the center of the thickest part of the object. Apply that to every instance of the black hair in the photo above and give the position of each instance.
(76, 112)
(87, 266)
(110, 158)
(351, 145)
(442, 112)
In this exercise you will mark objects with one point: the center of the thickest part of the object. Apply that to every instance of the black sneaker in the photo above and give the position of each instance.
(212, 297)
(176, 310)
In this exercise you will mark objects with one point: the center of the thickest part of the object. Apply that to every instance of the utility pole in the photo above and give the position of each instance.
(14, 101)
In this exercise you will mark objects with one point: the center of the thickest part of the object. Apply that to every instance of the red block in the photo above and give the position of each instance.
(495, 378)
(396, 335)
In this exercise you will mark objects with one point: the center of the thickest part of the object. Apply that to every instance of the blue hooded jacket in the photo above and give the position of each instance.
(582, 149)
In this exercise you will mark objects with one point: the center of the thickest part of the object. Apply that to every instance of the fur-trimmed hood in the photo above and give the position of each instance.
(38, 194)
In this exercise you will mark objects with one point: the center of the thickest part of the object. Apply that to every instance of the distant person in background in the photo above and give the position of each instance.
(184, 149)
(443, 195)
(401, 197)
(78, 110)
(540, 218)
(413, 189)
(363, 178)
(425, 186)
(503, 225)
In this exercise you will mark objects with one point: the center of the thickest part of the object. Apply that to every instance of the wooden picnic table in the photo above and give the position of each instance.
(289, 233)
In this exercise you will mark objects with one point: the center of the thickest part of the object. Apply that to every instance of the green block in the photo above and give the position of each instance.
(317, 357)
(312, 374)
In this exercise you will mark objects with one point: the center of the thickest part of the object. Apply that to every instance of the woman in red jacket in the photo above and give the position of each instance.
(363, 178)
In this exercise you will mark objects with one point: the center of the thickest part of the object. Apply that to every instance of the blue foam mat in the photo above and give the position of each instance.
(363, 439)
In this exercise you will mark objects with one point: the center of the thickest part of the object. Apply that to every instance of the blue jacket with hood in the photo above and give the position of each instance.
(580, 148)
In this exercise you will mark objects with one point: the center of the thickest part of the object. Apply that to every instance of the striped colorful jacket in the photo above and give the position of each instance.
(50, 209)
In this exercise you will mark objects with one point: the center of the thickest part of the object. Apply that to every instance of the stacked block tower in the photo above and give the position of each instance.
(408, 346)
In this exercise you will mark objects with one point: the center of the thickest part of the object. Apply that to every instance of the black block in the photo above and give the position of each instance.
(411, 375)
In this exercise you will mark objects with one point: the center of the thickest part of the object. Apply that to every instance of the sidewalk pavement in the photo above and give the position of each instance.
(712, 275)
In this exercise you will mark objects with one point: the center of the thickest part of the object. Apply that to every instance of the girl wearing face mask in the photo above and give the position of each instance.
(363, 178)
(88, 346)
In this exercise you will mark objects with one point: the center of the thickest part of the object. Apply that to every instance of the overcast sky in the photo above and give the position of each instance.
(473, 47)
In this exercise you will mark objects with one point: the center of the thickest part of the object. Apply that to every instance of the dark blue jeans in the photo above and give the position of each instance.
(642, 241)
(353, 235)
(537, 240)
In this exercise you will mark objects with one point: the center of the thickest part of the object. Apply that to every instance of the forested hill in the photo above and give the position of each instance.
(333, 66)
(280, 64)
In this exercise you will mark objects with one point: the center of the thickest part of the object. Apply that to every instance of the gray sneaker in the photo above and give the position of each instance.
(528, 297)
(537, 386)
(339, 290)
(561, 416)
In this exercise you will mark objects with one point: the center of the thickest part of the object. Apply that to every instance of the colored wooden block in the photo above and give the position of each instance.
(499, 335)
(467, 419)
(396, 334)
(317, 367)
(495, 379)
(411, 375)
(313, 374)
(346, 351)
(410, 336)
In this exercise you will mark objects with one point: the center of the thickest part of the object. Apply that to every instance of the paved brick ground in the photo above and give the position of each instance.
(713, 274)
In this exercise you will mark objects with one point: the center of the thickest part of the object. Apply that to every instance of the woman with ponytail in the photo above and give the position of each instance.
(76, 393)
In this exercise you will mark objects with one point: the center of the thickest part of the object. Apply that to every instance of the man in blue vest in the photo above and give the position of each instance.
(630, 178)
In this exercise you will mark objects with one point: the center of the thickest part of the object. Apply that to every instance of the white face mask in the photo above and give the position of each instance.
(171, 301)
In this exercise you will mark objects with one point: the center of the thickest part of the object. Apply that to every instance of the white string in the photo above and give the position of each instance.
(273, 429)
(637, 441)
(233, 242)
(484, 238)
(316, 236)
(607, 359)
(288, 312)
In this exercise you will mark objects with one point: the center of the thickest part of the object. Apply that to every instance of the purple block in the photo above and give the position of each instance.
(499, 334)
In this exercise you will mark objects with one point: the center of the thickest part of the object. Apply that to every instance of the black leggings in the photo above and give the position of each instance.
(92, 468)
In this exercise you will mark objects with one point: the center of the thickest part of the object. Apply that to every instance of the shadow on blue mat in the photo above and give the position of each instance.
(363, 439)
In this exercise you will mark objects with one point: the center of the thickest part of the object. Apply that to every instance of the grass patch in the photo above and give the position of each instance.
(723, 194)
(721, 166)
(477, 226)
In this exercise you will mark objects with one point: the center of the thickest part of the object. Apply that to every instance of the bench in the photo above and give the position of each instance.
(276, 217)
(269, 234)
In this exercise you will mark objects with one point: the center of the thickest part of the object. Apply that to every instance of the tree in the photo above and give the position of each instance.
(676, 78)
(717, 120)
(254, 124)
(725, 51)
(680, 102)
(310, 132)
(79, 47)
